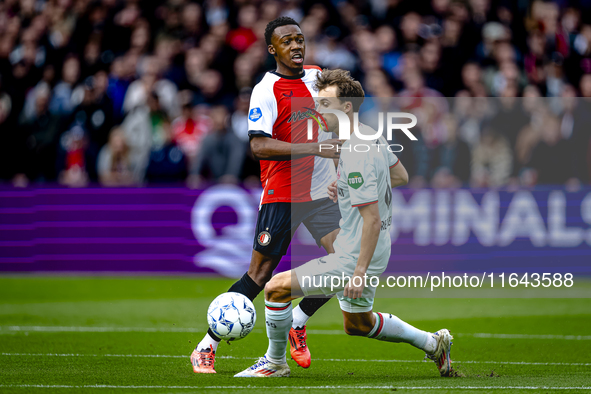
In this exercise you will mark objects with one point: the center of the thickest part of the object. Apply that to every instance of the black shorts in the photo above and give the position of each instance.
(278, 221)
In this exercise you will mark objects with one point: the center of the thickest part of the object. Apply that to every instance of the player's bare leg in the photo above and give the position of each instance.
(251, 284)
(261, 269)
(299, 350)
(387, 327)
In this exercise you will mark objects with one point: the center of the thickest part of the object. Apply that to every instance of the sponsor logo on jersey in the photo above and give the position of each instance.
(355, 180)
(264, 238)
(255, 114)
(300, 115)
(310, 113)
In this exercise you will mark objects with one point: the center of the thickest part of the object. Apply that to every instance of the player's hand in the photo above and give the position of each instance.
(330, 149)
(333, 191)
(354, 288)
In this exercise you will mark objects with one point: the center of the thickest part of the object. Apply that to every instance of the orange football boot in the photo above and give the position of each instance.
(298, 349)
(203, 361)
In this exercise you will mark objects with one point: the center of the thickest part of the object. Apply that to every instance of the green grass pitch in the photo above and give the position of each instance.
(119, 335)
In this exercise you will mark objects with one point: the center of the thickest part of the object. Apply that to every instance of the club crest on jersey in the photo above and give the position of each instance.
(255, 114)
(355, 180)
(264, 238)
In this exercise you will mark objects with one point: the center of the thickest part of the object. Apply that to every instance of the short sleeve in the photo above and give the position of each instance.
(262, 112)
(393, 160)
(361, 179)
(390, 156)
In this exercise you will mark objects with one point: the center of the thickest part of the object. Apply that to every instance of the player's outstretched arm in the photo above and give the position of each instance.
(398, 175)
(265, 148)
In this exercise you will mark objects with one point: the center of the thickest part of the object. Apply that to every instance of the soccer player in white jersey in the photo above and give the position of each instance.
(362, 247)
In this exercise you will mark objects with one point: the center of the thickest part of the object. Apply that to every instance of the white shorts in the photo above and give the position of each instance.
(329, 275)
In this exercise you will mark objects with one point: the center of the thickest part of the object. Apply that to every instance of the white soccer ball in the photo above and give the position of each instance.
(231, 316)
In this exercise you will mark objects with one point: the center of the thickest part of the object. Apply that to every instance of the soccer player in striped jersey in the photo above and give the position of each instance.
(295, 175)
(362, 247)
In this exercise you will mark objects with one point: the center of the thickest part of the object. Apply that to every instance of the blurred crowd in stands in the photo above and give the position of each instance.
(130, 92)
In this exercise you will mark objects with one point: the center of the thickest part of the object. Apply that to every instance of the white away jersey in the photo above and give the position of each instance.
(363, 179)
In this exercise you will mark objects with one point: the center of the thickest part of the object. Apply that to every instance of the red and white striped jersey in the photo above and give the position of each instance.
(270, 115)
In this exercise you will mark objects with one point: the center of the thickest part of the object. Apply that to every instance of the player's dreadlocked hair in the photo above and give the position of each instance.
(274, 24)
(348, 89)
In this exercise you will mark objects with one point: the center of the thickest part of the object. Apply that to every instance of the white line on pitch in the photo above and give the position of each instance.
(320, 359)
(98, 329)
(108, 386)
(99, 355)
(313, 332)
(526, 336)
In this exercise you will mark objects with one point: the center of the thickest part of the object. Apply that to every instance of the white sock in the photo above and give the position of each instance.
(206, 342)
(278, 317)
(391, 329)
(299, 318)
